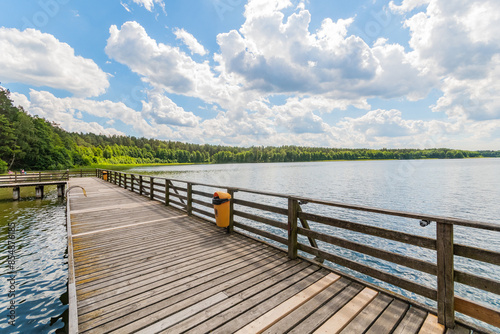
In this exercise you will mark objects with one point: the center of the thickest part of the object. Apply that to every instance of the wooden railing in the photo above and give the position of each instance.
(312, 233)
(31, 177)
(46, 176)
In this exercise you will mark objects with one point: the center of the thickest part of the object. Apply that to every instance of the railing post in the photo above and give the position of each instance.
(132, 177)
(189, 206)
(140, 184)
(445, 274)
(293, 208)
(151, 187)
(124, 180)
(15, 176)
(39, 176)
(167, 193)
(230, 228)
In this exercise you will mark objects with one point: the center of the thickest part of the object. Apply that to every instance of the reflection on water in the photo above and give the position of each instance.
(40, 268)
(467, 189)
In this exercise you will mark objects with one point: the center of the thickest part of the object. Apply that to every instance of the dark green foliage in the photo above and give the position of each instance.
(3, 166)
(33, 143)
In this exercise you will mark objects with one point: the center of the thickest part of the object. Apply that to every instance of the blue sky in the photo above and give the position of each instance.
(396, 74)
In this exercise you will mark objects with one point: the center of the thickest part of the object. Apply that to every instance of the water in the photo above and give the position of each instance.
(467, 189)
(40, 268)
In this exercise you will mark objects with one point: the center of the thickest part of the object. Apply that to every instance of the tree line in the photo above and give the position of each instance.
(33, 143)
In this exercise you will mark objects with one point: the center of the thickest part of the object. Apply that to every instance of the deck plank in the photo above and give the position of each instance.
(342, 318)
(368, 316)
(412, 321)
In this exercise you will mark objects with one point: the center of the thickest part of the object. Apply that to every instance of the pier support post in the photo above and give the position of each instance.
(39, 191)
(445, 275)
(60, 189)
(16, 193)
(293, 209)
(151, 188)
(189, 205)
(140, 185)
(230, 228)
(167, 192)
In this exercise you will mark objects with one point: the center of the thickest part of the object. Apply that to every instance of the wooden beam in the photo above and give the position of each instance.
(477, 311)
(293, 210)
(445, 275)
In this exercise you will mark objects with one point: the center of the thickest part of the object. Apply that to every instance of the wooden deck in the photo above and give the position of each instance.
(143, 267)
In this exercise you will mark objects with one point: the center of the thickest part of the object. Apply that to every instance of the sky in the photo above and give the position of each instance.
(330, 73)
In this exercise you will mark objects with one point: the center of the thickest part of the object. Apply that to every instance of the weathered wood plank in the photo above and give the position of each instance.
(480, 312)
(383, 276)
(297, 316)
(241, 291)
(406, 261)
(365, 319)
(431, 326)
(271, 317)
(390, 318)
(445, 275)
(412, 321)
(322, 314)
(372, 230)
(340, 319)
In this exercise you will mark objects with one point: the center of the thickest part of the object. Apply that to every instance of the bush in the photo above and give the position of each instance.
(3, 166)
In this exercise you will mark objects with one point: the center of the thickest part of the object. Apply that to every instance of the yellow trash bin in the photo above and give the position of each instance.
(221, 208)
(105, 175)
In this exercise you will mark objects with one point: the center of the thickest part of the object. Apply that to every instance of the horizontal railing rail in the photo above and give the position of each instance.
(46, 176)
(30, 177)
(312, 233)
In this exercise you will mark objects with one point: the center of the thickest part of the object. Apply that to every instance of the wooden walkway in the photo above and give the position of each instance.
(143, 267)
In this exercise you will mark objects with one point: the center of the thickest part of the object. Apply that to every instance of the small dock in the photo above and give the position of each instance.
(38, 180)
(141, 266)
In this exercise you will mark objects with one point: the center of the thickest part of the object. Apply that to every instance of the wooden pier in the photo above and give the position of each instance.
(39, 180)
(137, 265)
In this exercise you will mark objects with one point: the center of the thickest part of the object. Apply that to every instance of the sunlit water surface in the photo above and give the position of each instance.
(40, 268)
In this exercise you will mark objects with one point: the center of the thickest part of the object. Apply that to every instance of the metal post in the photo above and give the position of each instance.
(445, 275)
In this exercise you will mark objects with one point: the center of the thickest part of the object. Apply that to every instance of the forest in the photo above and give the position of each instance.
(33, 143)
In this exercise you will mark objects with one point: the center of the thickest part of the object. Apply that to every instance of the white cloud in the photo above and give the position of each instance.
(407, 5)
(67, 111)
(149, 4)
(457, 41)
(35, 58)
(190, 41)
(272, 53)
(164, 111)
(161, 65)
(125, 6)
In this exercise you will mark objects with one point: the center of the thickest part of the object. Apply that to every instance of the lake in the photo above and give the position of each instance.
(40, 269)
(466, 188)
